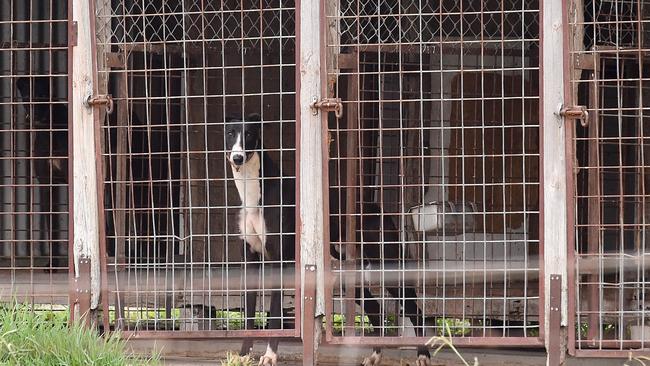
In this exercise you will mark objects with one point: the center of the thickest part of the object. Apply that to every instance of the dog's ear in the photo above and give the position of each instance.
(254, 121)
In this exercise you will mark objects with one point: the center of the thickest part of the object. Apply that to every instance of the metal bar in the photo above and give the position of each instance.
(554, 348)
(352, 145)
(308, 338)
(488, 342)
(593, 182)
(72, 41)
(82, 290)
(209, 334)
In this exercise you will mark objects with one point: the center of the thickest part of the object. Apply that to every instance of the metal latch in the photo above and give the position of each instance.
(103, 99)
(327, 105)
(576, 112)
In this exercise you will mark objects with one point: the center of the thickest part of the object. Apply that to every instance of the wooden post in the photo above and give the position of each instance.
(84, 182)
(311, 161)
(552, 82)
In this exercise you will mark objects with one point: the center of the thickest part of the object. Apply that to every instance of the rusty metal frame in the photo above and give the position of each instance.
(204, 334)
(40, 275)
(463, 341)
(72, 41)
(577, 60)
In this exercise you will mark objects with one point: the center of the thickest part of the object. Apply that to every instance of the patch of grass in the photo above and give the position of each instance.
(233, 359)
(30, 336)
(456, 327)
(339, 321)
(233, 320)
(532, 332)
(135, 314)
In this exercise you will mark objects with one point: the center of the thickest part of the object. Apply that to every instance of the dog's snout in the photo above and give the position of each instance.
(238, 159)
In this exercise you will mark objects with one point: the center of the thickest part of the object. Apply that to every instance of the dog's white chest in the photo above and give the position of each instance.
(251, 217)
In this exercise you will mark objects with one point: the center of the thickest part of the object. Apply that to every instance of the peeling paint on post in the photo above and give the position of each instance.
(309, 86)
(554, 163)
(85, 212)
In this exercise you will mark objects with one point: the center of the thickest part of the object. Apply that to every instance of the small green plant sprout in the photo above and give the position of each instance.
(233, 359)
(636, 360)
(439, 342)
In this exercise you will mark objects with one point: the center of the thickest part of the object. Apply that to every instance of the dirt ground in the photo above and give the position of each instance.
(210, 352)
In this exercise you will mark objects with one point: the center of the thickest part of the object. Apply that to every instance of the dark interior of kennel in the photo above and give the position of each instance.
(611, 175)
(381, 151)
(34, 151)
(176, 70)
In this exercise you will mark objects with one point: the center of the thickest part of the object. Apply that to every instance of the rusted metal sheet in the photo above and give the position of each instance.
(555, 318)
(308, 337)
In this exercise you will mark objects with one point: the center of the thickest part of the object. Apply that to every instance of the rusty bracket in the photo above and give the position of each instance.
(575, 112)
(555, 321)
(308, 340)
(82, 288)
(97, 100)
(327, 105)
(585, 61)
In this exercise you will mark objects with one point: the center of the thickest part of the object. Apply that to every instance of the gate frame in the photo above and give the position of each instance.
(200, 334)
(399, 341)
(571, 202)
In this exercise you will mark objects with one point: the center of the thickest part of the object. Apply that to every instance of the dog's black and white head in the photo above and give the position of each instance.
(243, 139)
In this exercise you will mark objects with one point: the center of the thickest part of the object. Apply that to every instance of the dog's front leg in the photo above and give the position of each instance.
(251, 274)
(270, 358)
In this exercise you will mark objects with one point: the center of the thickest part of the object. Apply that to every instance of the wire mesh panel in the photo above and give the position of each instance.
(34, 195)
(193, 82)
(434, 171)
(609, 76)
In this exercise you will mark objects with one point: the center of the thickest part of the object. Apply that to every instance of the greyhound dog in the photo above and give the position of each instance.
(266, 219)
(268, 211)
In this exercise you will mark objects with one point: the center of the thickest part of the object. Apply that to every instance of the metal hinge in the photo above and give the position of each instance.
(103, 99)
(327, 105)
(576, 112)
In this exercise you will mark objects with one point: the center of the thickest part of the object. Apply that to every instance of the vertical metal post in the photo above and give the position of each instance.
(555, 353)
(85, 211)
(309, 297)
(554, 157)
(311, 146)
(351, 172)
(81, 290)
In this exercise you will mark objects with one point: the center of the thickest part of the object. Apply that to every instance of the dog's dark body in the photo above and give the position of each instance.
(262, 191)
(267, 220)
(381, 245)
(48, 142)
